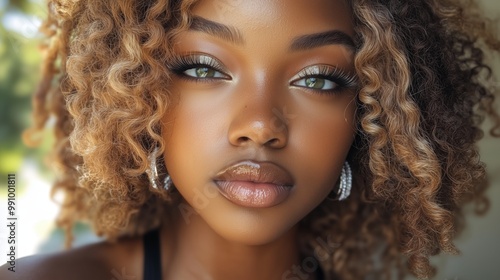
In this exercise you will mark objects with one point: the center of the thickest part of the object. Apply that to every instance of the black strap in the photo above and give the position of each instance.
(152, 255)
(321, 275)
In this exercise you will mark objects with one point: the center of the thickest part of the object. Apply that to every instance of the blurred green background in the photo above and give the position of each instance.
(19, 72)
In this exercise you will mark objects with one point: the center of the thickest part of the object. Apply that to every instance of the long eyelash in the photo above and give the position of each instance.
(337, 75)
(179, 64)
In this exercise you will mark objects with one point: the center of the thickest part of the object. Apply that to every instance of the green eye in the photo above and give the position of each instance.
(316, 83)
(203, 72)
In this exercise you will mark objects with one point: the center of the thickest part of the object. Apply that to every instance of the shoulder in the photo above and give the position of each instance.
(103, 260)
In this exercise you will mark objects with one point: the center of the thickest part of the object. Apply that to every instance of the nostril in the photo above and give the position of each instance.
(244, 138)
(262, 136)
(273, 141)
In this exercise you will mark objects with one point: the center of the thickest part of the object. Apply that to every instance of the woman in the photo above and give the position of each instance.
(322, 139)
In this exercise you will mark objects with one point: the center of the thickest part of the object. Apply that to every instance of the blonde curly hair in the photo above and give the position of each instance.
(424, 91)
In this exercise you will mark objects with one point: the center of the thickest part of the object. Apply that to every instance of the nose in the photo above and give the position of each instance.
(259, 120)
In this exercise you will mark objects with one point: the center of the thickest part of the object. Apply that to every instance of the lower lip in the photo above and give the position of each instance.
(250, 194)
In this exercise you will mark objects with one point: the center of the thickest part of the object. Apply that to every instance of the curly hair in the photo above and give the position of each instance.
(425, 88)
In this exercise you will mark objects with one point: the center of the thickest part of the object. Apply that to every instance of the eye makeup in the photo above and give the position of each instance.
(198, 67)
(335, 79)
(321, 79)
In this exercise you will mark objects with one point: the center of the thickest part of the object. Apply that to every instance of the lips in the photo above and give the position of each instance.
(254, 184)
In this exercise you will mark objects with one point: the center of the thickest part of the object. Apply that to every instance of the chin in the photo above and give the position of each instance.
(250, 235)
(250, 226)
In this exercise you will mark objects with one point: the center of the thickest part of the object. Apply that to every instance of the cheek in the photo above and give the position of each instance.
(187, 126)
(191, 131)
(320, 144)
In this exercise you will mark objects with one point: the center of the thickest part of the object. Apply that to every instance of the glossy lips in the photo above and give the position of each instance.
(254, 184)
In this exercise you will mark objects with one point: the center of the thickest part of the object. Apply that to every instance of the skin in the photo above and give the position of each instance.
(218, 122)
(258, 111)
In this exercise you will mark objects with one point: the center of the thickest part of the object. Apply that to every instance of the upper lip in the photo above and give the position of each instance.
(257, 172)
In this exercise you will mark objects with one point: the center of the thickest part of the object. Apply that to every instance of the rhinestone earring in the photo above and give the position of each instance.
(345, 185)
(152, 173)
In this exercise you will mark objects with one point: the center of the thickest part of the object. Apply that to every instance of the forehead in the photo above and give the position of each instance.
(297, 16)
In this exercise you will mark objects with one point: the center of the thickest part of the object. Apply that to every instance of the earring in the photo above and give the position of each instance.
(345, 185)
(152, 173)
(167, 183)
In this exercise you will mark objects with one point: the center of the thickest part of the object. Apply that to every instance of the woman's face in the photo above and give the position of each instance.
(260, 83)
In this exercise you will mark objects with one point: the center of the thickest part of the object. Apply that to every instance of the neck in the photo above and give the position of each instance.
(197, 252)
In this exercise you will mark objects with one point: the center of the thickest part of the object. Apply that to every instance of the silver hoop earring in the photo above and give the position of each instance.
(167, 183)
(345, 184)
(152, 173)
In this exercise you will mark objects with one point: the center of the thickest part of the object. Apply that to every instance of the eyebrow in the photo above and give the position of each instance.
(304, 42)
(216, 29)
(332, 37)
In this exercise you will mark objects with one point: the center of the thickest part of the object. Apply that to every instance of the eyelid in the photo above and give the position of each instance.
(326, 71)
(179, 63)
(318, 70)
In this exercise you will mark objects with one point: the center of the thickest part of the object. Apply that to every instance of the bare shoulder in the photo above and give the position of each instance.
(103, 260)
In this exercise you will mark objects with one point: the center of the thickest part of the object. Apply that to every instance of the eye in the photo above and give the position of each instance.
(202, 72)
(318, 83)
(323, 79)
(198, 67)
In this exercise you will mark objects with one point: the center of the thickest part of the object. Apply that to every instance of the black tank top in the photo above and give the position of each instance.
(152, 257)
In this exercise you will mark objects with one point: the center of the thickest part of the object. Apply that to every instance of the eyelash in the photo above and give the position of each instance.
(342, 79)
(180, 64)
